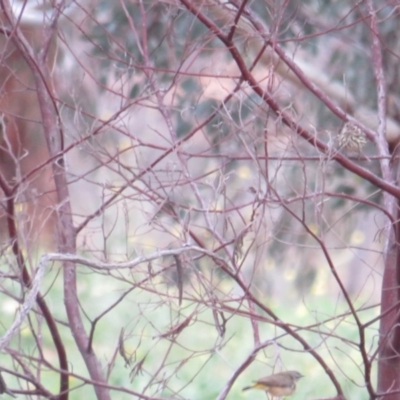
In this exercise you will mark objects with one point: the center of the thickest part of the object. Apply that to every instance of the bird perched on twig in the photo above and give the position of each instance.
(278, 385)
(352, 138)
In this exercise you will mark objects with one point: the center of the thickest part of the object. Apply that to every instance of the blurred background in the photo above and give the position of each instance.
(167, 144)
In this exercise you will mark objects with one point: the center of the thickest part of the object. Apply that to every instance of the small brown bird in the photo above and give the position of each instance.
(278, 385)
(352, 138)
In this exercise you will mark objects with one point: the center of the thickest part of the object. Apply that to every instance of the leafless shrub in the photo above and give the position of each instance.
(195, 192)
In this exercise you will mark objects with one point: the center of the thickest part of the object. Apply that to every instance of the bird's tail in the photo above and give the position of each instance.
(247, 388)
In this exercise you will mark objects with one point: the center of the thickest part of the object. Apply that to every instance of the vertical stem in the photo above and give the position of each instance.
(66, 232)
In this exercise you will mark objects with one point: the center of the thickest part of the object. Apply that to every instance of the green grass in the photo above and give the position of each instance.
(197, 363)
